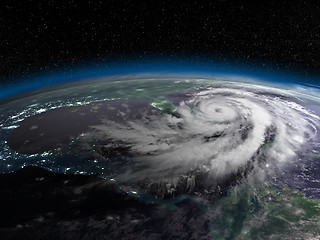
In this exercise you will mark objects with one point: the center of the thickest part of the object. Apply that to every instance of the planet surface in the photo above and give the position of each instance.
(161, 156)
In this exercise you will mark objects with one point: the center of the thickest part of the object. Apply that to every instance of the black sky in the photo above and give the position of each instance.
(37, 35)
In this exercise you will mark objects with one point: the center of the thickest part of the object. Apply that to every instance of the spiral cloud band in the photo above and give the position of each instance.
(216, 130)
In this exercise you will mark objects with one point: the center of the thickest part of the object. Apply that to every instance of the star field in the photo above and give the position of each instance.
(38, 36)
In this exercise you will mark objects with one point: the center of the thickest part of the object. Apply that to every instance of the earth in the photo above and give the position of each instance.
(161, 157)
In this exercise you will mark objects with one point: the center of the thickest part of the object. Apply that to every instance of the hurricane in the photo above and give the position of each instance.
(214, 134)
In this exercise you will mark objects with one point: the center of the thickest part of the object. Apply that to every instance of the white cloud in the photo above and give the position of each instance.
(219, 130)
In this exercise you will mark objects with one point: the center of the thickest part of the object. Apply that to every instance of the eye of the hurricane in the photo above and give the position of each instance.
(217, 110)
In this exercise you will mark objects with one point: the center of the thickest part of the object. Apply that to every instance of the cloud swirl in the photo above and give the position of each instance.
(216, 130)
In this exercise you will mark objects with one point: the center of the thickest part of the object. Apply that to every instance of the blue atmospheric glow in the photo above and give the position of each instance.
(151, 67)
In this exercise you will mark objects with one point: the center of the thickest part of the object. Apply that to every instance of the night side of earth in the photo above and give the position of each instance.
(161, 156)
